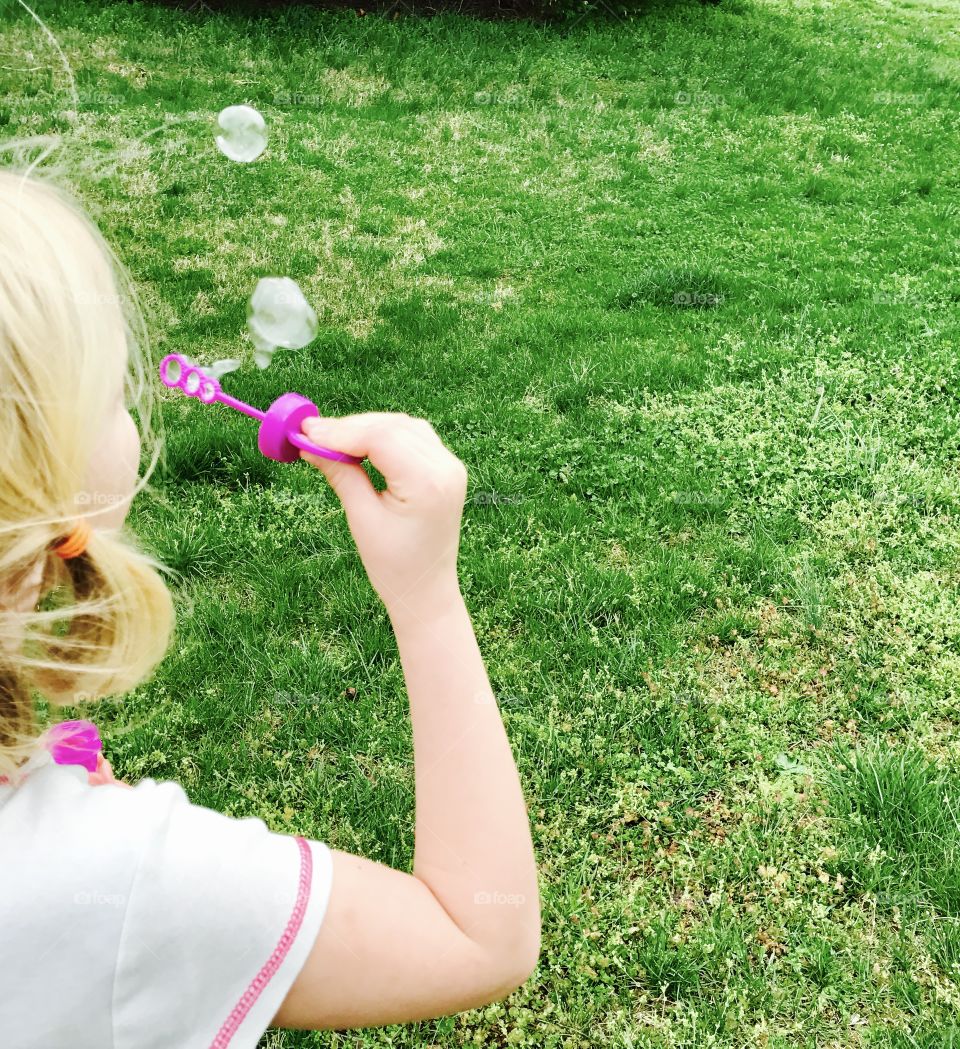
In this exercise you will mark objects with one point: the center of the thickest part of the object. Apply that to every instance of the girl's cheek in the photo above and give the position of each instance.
(114, 470)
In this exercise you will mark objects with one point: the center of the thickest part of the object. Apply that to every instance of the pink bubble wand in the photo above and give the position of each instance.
(279, 437)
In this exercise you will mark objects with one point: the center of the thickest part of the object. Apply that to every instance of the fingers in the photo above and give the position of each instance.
(349, 481)
(404, 449)
(103, 773)
(382, 437)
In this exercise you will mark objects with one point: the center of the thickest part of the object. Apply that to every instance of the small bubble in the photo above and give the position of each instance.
(244, 133)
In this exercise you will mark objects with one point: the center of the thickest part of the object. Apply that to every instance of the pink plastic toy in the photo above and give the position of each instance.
(279, 437)
(70, 743)
(75, 743)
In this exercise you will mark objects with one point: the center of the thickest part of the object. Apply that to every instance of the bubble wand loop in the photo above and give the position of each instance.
(279, 437)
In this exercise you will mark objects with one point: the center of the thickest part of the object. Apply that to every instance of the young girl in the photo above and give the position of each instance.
(132, 918)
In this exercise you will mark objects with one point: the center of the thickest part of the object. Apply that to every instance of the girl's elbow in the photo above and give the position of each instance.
(518, 959)
(527, 956)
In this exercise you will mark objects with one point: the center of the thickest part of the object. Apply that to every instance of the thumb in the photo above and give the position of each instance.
(348, 480)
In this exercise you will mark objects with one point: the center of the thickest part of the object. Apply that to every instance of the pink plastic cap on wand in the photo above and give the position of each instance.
(284, 417)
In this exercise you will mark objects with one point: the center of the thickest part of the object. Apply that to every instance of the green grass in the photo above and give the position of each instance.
(683, 295)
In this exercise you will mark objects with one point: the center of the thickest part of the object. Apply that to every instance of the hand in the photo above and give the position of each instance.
(104, 775)
(408, 535)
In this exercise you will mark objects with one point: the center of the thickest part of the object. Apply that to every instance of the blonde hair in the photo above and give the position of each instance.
(70, 324)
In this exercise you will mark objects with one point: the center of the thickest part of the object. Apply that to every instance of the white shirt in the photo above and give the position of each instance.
(134, 919)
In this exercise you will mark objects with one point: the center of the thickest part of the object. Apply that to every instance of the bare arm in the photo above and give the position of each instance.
(464, 928)
(473, 840)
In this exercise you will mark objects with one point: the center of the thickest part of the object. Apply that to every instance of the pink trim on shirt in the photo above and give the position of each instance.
(232, 1023)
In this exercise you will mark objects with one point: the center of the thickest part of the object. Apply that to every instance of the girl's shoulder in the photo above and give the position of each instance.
(75, 851)
(71, 855)
(55, 815)
(181, 920)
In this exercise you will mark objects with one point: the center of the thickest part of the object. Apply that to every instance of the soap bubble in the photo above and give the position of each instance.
(263, 348)
(263, 356)
(279, 316)
(244, 135)
(218, 369)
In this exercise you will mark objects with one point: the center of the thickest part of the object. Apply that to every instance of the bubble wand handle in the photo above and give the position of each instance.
(247, 409)
(279, 437)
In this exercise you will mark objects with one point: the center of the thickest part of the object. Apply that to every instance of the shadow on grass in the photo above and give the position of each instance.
(540, 11)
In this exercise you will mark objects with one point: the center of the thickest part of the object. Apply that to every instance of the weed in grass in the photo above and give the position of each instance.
(821, 965)
(189, 552)
(680, 288)
(908, 995)
(809, 593)
(668, 965)
(943, 938)
(900, 815)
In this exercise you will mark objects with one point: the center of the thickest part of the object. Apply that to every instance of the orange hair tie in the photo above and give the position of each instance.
(74, 543)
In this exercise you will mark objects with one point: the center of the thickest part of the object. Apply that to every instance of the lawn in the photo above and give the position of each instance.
(683, 294)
